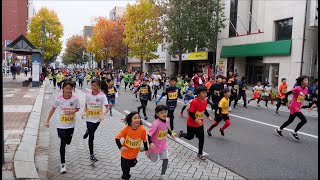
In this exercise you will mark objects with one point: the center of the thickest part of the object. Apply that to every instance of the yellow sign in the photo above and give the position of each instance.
(192, 56)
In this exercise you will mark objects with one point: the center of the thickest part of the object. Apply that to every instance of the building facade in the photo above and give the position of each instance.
(275, 40)
(15, 18)
(116, 13)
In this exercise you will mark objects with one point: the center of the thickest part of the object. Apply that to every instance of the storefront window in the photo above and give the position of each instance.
(283, 29)
(233, 17)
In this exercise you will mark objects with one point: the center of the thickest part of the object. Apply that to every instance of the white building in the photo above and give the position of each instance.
(116, 13)
(269, 46)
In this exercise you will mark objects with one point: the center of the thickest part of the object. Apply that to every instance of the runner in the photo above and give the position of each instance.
(172, 93)
(313, 96)
(180, 81)
(50, 77)
(125, 80)
(195, 120)
(157, 138)
(66, 105)
(215, 93)
(190, 92)
(80, 78)
(132, 134)
(74, 80)
(281, 94)
(299, 94)
(131, 77)
(145, 94)
(60, 78)
(156, 83)
(111, 94)
(95, 100)
(223, 113)
(88, 77)
(118, 83)
(267, 93)
(54, 78)
(136, 84)
(242, 92)
(257, 90)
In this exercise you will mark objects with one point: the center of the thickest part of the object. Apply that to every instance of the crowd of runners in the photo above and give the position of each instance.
(197, 92)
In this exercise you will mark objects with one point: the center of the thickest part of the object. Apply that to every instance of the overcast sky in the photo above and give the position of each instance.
(74, 14)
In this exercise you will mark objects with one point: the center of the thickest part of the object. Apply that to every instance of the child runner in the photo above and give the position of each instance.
(125, 80)
(195, 120)
(95, 100)
(111, 94)
(215, 93)
(190, 92)
(180, 81)
(66, 105)
(136, 84)
(223, 113)
(156, 83)
(281, 94)
(132, 134)
(131, 77)
(299, 94)
(257, 90)
(172, 93)
(242, 92)
(74, 81)
(54, 79)
(118, 82)
(157, 138)
(313, 96)
(267, 92)
(60, 78)
(50, 77)
(88, 77)
(145, 95)
(80, 78)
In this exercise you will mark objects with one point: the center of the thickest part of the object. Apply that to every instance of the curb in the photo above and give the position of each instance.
(24, 163)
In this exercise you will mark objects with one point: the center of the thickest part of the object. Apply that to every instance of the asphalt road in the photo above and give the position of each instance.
(250, 146)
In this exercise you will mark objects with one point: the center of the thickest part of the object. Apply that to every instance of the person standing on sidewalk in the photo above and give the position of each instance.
(66, 105)
(157, 138)
(13, 70)
(132, 134)
(299, 94)
(195, 124)
(95, 100)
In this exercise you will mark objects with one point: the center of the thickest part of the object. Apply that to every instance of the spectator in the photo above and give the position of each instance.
(13, 70)
(26, 71)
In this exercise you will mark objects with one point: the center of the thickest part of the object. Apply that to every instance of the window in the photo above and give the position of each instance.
(162, 48)
(283, 29)
(233, 18)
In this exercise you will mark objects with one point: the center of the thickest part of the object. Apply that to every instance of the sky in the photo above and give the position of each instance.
(74, 14)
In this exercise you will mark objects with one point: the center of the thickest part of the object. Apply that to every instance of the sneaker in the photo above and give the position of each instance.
(173, 133)
(181, 114)
(279, 132)
(230, 109)
(276, 113)
(249, 102)
(86, 135)
(180, 133)
(266, 106)
(245, 106)
(93, 159)
(234, 107)
(163, 177)
(63, 168)
(209, 132)
(295, 136)
(258, 105)
(222, 132)
(201, 157)
(145, 118)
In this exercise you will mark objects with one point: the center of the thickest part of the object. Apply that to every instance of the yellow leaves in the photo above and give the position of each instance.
(53, 32)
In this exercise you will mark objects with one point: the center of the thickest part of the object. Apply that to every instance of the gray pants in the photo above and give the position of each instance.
(14, 75)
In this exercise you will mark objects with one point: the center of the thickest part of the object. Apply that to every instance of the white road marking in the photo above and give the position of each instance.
(17, 108)
(187, 145)
(27, 96)
(8, 95)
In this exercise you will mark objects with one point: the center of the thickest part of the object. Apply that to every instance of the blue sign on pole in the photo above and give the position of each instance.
(7, 42)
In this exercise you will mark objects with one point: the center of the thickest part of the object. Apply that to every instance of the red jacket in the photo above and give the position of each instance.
(196, 81)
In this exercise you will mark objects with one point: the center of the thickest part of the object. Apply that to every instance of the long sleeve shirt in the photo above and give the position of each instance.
(172, 93)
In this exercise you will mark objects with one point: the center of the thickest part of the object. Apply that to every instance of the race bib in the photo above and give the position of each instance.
(143, 90)
(162, 134)
(300, 98)
(283, 90)
(111, 91)
(132, 143)
(94, 112)
(199, 115)
(64, 119)
(173, 95)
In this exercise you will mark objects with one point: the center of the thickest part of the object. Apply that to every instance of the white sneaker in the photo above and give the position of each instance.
(163, 177)
(230, 109)
(63, 168)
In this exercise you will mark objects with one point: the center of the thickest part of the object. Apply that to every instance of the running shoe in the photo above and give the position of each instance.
(276, 113)
(234, 107)
(295, 136)
(93, 159)
(249, 102)
(258, 105)
(279, 132)
(209, 132)
(163, 177)
(63, 168)
(145, 118)
(180, 133)
(266, 106)
(222, 132)
(86, 135)
(245, 106)
(201, 157)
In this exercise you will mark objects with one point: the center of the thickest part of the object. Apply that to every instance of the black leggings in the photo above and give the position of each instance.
(65, 136)
(125, 85)
(279, 103)
(80, 83)
(54, 82)
(144, 104)
(199, 132)
(171, 116)
(126, 164)
(292, 117)
(92, 127)
(244, 96)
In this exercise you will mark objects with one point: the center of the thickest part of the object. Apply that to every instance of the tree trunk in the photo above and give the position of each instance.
(141, 64)
(180, 61)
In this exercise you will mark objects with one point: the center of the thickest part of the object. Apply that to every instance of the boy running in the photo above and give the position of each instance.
(145, 94)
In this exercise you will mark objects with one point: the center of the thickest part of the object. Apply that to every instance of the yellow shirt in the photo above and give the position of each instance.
(88, 77)
(224, 105)
(59, 77)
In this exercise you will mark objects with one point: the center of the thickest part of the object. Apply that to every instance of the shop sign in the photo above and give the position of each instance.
(192, 56)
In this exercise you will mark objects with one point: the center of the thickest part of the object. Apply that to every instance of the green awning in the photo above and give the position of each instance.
(276, 48)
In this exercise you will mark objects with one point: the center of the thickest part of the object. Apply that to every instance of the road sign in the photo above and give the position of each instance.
(7, 42)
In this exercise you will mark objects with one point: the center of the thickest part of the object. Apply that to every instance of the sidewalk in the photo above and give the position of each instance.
(182, 162)
(18, 104)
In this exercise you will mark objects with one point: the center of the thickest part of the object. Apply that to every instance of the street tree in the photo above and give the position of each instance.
(142, 31)
(76, 46)
(52, 35)
(192, 24)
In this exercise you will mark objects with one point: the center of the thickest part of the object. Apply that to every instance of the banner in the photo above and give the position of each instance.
(220, 67)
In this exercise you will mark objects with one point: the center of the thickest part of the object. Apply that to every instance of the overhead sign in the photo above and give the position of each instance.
(192, 56)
